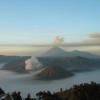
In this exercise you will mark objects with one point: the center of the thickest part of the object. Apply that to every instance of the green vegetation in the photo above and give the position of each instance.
(84, 91)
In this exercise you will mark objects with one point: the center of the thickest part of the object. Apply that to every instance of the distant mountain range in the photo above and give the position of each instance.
(59, 52)
(57, 63)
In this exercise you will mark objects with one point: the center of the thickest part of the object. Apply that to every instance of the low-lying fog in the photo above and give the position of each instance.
(10, 81)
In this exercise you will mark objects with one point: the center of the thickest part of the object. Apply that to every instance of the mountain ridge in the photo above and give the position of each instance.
(56, 51)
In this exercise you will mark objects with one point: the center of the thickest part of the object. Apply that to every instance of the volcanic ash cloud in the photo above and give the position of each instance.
(33, 64)
(58, 40)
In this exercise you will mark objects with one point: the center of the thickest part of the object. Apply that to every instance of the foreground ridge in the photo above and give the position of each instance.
(84, 91)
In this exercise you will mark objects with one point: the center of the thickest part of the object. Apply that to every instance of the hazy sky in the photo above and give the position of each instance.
(38, 21)
(32, 22)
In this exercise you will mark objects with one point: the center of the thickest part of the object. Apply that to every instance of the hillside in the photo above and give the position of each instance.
(71, 63)
(84, 91)
(52, 73)
(16, 65)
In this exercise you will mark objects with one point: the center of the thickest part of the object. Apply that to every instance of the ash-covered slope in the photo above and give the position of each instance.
(52, 73)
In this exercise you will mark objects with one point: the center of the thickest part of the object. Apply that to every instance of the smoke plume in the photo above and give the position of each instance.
(58, 40)
(33, 64)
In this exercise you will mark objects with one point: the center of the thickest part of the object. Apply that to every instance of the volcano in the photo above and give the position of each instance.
(58, 52)
(55, 51)
(53, 73)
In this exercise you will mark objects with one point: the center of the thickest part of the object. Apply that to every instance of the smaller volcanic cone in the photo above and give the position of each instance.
(52, 73)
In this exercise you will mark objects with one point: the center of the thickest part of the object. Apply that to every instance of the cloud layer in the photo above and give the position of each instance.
(95, 35)
(93, 39)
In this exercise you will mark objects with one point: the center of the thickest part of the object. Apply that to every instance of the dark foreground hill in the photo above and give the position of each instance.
(84, 91)
(77, 92)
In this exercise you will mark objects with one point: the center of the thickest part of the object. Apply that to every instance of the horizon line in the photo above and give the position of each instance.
(48, 45)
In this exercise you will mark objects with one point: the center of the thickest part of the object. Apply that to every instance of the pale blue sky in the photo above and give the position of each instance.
(38, 21)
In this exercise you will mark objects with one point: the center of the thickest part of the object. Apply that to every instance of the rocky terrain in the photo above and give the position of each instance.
(52, 73)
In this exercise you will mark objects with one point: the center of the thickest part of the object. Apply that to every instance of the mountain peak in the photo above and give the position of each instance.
(56, 48)
(55, 51)
(52, 73)
(58, 52)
